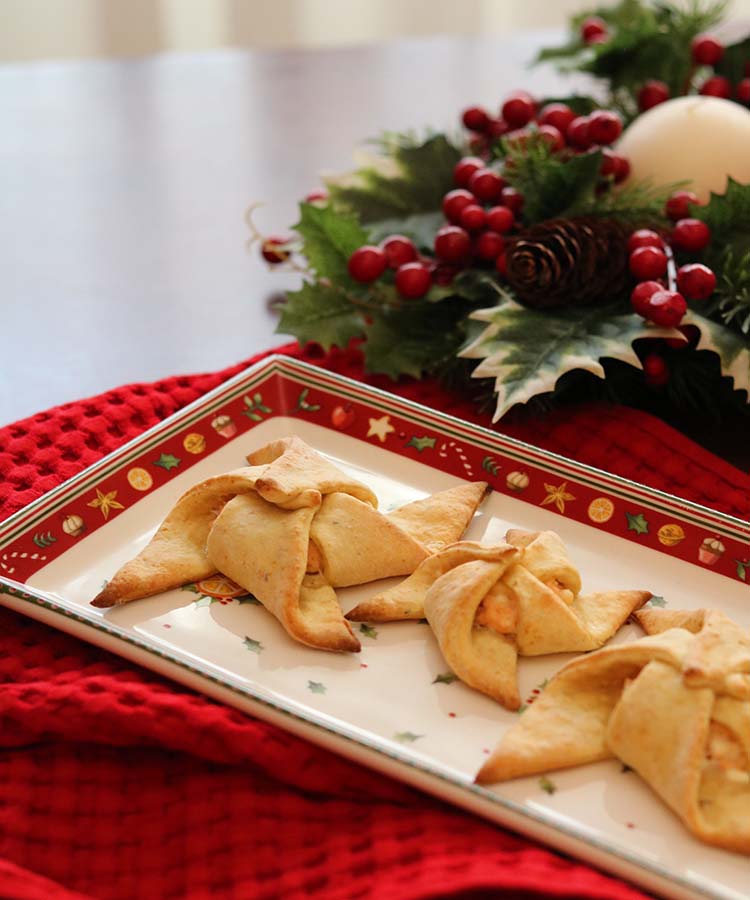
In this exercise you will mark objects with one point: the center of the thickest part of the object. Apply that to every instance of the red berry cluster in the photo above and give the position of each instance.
(656, 297)
(414, 276)
(555, 123)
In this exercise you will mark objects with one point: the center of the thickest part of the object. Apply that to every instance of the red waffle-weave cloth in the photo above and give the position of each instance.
(117, 784)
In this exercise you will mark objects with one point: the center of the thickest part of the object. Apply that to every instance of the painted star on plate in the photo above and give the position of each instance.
(105, 502)
(558, 495)
(380, 428)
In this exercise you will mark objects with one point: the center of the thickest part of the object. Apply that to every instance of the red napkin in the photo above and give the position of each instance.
(115, 783)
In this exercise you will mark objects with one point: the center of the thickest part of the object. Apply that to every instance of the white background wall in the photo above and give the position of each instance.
(63, 29)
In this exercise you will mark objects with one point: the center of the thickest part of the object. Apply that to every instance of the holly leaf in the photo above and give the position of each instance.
(417, 338)
(727, 214)
(420, 227)
(316, 687)
(318, 312)
(733, 63)
(638, 524)
(657, 601)
(526, 351)
(167, 461)
(329, 238)
(731, 348)
(410, 176)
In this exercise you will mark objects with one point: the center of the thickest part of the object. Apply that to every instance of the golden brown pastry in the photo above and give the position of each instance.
(674, 706)
(176, 554)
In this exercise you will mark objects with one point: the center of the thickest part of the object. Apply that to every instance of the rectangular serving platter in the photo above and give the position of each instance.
(56, 553)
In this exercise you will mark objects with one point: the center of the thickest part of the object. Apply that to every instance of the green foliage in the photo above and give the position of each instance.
(322, 313)
(727, 214)
(417, 177)
(550, 183)
(330, 238)
(733, 290)
(526, 351)
(636, 204)
(733, 64)
(647, 40)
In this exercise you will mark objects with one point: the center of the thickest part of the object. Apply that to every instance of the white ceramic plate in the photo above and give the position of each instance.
(394, 706)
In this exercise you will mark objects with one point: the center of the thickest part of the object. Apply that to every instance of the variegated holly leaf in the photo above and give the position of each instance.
(526, 351)
(732, 348)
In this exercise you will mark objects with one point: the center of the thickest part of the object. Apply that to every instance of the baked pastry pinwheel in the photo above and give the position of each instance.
(289, 528)
(487, 605)
(673, 706)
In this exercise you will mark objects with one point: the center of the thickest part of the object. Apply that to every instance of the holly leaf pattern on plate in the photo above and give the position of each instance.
(445, 678)
(252, 645)
(547, 785)
(368, 630)
(422, 443)
(167, 461)
(526, 351)
(407, 737)
(316, 687)
(638, 524)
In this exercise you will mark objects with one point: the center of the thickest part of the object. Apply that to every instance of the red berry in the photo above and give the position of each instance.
(473, 217)
(593, 28)
(318, 197)
(497, 128)
(552, 136)
(652, 94)
(641, 294)
(500, 219)
(560, 115)
(706, 50)
(609, 163)
(475, 118)
(269, 250)
(455, 201)
(486, 185)
(398, 250)
(513, 199)
(452, 244)
(622, 169)
(367, 263)
(666, 308)
(501, 264)
(742, 92)
(413, 280)
(443, 274)
(691, 235)
(578, 133)
(605, 126)
(489, 245)
(648, 262)
(655, 370)
(465, 168)
(644, 237)
(696, 281)
(678, 205)
(519, 109)
(717, 86)
(479, 144)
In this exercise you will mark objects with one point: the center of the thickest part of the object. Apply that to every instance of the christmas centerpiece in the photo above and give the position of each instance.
(582, 246)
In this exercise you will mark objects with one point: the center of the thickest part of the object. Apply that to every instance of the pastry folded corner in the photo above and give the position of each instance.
(442, 518)
(481, 657)
(355, 543)
(405, 601)
(176, 554)
(265, 549)
(298, 476)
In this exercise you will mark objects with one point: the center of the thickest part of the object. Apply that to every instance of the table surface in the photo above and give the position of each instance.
(123, 187)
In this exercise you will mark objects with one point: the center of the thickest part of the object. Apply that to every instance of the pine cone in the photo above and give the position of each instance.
(568, 262)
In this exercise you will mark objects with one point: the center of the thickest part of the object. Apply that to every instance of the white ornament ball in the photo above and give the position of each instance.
(701, 140)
